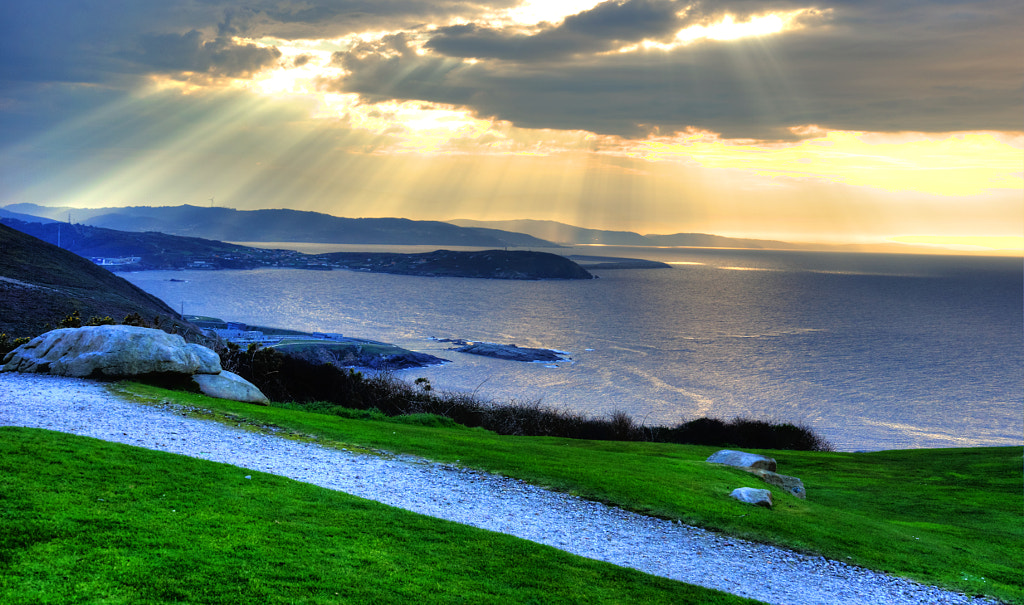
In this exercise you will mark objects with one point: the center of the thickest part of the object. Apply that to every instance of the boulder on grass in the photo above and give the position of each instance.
(228, 385)
(752, 495)
(744, 460)
(110, 352)
(792, 485)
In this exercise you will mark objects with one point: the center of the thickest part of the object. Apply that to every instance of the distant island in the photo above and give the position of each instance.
(508, 352)
(605, 263)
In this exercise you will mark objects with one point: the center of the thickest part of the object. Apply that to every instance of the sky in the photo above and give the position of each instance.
(804, 120)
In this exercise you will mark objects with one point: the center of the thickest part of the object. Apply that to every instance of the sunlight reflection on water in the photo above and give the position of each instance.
(871, 359)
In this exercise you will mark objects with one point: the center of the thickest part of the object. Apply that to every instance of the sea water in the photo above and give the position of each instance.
(871, 351)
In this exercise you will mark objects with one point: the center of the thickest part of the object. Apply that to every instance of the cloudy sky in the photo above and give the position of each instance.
(830, 120)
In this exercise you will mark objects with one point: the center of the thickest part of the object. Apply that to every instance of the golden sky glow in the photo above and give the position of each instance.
(532, 12)
(646, 116)
(950, 164)
(728, 28)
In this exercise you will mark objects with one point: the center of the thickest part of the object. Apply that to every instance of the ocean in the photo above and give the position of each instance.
(872, 351)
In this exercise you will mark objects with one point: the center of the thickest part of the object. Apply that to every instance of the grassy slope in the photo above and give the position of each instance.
(85, 521)
(948, 517)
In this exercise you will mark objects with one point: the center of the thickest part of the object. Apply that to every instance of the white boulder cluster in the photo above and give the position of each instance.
(762, 467)
(128, 351)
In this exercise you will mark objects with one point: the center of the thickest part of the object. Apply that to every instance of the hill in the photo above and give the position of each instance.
(151, 250)
(155, 250)
(41, 283)
(229, 225)
(7, 214)
(569, 234)
(560, 232)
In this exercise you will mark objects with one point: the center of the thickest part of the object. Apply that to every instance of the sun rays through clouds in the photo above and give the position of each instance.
(814, 120)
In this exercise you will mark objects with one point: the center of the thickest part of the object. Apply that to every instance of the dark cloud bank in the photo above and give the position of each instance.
(877, 66)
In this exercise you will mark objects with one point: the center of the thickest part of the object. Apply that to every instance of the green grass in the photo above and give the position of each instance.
(950, 517)
(86, 521)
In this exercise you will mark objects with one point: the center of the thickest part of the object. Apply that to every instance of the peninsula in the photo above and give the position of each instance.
(132, 251)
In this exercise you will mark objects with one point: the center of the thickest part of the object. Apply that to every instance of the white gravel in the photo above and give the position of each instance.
(578, 526)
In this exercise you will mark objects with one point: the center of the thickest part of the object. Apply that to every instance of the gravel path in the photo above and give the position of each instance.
(491, 502)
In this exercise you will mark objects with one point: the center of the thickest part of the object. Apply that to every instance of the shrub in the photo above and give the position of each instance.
(74, 320)
(134, 319)
(96, 320)
(8, 344)
(328, 389)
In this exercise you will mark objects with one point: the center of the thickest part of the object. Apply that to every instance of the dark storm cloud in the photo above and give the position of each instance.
(865, 65)
(190, 53)
(597, 30)
(862, 66)
(102, 42)
(607, 26)
(334, 18)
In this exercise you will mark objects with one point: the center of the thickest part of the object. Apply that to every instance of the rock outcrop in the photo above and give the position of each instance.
(762, 467)
(793, 485)
(128, 351)
(228, 385)
(111, 352)
(744, 460)
(752, 495)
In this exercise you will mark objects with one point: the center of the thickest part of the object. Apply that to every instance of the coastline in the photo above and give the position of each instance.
(684, 354)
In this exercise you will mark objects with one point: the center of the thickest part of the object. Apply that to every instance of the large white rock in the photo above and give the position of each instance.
(228, 385)
(744, 460)
(111, 352)
(752, 495)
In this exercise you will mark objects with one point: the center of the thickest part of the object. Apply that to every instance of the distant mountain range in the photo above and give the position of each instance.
(229, 225)
(4, 213)
(569, 235)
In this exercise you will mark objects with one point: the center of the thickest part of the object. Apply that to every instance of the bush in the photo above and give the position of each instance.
(8, 344)
(328, 389)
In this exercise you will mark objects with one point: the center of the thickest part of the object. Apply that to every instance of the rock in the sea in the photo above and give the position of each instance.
(743, 460)
(792, 485)
(511, 352)
(110, 352)
(228, 385)
(752, 495)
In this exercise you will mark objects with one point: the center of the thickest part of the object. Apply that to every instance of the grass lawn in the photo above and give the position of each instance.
(86, 521)
(950, 517)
